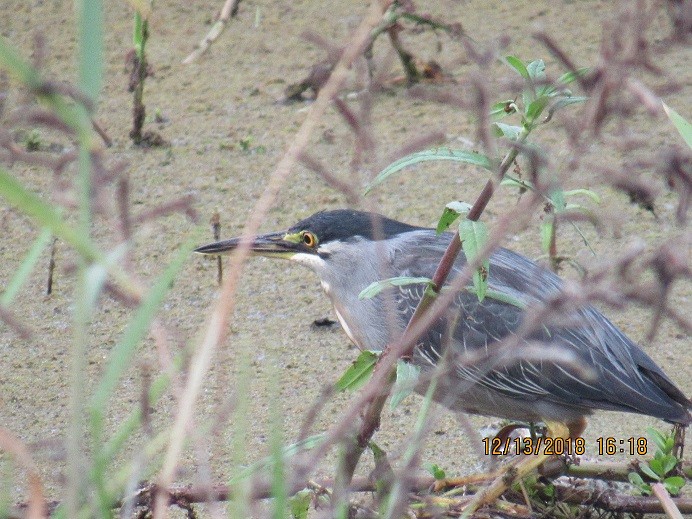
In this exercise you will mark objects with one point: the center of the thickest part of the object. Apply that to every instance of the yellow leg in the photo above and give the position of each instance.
(514, 472)
(472, 479)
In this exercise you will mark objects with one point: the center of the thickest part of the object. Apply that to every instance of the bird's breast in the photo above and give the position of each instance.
(326, 287)
(345, 326)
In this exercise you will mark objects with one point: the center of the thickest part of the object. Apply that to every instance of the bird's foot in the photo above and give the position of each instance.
(515, 471)
(473, 479)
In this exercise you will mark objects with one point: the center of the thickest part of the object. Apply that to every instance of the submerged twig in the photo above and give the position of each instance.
(51, 268)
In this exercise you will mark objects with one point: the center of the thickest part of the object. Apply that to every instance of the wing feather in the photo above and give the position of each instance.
(604, 369)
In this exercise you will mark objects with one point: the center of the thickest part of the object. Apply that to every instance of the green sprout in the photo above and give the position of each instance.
(661, 468)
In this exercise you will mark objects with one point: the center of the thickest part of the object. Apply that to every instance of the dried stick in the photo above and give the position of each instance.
(218, 324)
(102, 133)
(36, 507)
(216, 231)
(667, 502)
(51, 268)
(609, 500)
(13, 322)
(229, 10)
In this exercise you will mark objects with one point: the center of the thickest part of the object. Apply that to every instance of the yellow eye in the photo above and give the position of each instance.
(309, 239)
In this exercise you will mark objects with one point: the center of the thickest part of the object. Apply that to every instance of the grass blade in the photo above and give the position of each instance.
(684, 127)
(378, 286)
(123, 351)
(466, 157)
(45, 215)
(22, 273)
(474, 236)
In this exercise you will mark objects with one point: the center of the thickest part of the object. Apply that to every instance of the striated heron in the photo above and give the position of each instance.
(589, 363)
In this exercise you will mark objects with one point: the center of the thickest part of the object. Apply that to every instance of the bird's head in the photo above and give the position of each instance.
(314, 240)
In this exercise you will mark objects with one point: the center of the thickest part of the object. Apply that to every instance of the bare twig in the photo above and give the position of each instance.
(216, 232)
(229, 10)
(102, 133)
(123, 201)
(13, 322)
(609, 500)
(313, 163)
(51, 267)
(184, 205)
(226, 302)
(36, 506)
(669, 506)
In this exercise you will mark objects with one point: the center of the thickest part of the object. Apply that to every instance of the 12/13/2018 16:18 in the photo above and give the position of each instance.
(606, 445)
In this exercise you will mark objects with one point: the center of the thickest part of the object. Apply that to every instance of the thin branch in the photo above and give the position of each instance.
(229, 10)
(217, 328)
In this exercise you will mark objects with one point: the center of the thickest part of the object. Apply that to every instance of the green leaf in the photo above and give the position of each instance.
(466, 157)
(436, 471)
(536, 70)
(508, 180)
(474, 236)
(359, 372)
(129, 424)
(406, 378)
(638, 482)
(138, 39)
(549, 490)
(547, 232)
(378, 286)
(451, 212)
(535, 108)
(507, 130)
(383, 473)
(378, 454)
(518, 65)
(657, 465)
(635, 479)
(585, 192)
(15, 64)
(569, 77)
(299, 504)
(659, 439)
(673, 484)
(97, 273)
(668, 463)
(557, 197)
(589, 213)
(683, 127)
(505, 298)
(567, 101)
(503, 109)
(649, 469)
(528, 94)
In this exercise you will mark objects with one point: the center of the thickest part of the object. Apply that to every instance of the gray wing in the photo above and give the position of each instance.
(588, 362)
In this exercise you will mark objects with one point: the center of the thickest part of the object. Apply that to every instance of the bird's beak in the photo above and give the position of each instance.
(274, 245)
